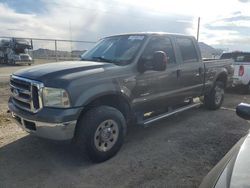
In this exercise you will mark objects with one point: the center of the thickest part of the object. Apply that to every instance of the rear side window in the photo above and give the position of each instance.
(226, 56)
(187, 49)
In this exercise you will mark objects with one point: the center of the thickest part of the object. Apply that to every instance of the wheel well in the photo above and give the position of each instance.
(113, 100)
(223, 78)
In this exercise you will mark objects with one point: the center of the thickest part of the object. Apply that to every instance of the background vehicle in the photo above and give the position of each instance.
(15, 51)
(140, 77)
(241, 66)
(233, 170)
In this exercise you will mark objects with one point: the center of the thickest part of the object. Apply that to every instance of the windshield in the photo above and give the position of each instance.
(120, 50)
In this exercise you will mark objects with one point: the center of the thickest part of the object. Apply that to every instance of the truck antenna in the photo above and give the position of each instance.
(198, 28)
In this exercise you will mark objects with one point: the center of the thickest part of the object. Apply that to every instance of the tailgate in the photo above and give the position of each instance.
(236, 70)
(237, 67)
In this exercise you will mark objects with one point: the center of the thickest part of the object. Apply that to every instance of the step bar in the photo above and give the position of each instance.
(153, 119)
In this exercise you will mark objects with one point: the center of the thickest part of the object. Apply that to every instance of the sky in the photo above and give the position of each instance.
(225, 24)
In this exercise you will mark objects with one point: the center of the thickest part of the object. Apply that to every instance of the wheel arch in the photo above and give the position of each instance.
(223, 77)
(114, 99)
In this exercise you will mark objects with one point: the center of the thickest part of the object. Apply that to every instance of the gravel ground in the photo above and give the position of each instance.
(175, 152)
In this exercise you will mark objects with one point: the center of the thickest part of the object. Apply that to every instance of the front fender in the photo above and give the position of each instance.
(101, 90)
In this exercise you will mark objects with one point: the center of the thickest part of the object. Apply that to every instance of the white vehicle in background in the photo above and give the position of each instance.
(15, 51)
(241, 77)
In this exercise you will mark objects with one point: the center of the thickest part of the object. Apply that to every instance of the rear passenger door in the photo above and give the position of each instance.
(191, 68)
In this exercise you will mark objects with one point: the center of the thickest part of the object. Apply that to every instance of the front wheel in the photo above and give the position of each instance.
(101, 131)
(214, 99)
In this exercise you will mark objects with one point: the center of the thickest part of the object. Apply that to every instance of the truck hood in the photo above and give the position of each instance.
(67, 70)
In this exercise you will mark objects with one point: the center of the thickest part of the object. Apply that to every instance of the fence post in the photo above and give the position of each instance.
(56, 50)
(32, 52)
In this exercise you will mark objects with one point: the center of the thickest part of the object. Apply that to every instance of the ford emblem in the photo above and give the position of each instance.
(16, 92)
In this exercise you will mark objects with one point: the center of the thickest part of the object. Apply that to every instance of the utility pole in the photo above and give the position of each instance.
(56, 50)
(198, 29)
(70, 32)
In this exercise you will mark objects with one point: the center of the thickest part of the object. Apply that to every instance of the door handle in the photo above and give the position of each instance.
(178, 73)
(200, 71)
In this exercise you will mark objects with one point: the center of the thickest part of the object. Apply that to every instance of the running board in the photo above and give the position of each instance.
(153, 119)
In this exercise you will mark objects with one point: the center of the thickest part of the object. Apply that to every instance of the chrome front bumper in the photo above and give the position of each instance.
(54, 131)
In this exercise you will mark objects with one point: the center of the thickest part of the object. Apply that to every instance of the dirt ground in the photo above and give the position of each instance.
(175, 152)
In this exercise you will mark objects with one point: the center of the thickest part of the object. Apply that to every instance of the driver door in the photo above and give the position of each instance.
(156, 89)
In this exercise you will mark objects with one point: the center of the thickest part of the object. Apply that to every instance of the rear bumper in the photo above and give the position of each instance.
(24, 61)
(236, 81)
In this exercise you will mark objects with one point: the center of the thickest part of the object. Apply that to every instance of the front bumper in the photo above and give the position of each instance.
(50, 123)
(54, 131)
(24, 61)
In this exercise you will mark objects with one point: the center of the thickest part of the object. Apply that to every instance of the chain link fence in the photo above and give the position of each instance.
(51, 50)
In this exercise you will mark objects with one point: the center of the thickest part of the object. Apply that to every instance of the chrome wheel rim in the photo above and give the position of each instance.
(106, 135)
(219, 92)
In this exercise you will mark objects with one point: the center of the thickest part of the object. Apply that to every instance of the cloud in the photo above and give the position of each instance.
(91, 20)
(244, 1)
(236, 18)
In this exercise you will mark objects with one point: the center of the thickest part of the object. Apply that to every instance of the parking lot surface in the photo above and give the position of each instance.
(175, 152)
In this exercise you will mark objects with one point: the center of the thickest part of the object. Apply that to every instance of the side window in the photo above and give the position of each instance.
(158, 44)
(187, 49)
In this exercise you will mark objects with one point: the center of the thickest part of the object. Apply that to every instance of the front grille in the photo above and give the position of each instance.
(26, 93)
(24, 57)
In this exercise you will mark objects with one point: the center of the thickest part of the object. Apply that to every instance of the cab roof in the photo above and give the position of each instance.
(150, 34)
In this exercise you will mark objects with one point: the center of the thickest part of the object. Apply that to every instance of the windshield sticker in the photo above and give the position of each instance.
(136, 37)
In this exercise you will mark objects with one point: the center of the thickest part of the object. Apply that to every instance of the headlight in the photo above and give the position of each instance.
(54, 97)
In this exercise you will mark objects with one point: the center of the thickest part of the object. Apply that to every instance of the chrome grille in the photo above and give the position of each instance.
(24, 57)
(26, 93)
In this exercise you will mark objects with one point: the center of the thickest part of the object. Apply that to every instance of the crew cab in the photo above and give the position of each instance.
(241, 77)
(124, 79)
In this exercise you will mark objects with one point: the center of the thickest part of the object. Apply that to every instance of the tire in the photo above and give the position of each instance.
(246, 89)
(214, 99)
(100, 132)
(12, 62)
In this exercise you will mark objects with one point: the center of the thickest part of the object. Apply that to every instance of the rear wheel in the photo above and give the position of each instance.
(100, 132)
(246, 89)
(214, 99)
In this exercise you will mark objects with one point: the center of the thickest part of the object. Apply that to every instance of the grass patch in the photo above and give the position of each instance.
(4, 84)
(4, 119)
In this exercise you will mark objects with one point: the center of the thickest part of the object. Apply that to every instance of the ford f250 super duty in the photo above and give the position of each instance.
(124, 79)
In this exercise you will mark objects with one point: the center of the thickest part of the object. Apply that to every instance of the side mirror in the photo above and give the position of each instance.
(243, 111)
(160, 61)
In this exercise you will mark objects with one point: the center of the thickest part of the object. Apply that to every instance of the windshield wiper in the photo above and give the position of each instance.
(104, 59)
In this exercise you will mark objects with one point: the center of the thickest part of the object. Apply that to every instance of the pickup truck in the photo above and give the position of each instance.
(241, 77)
(125, 79)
